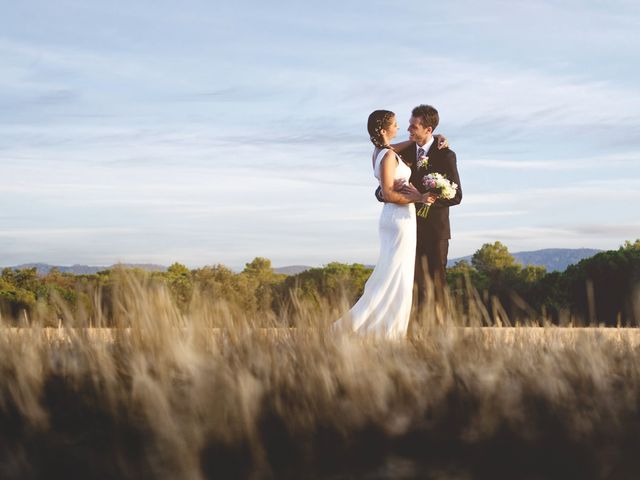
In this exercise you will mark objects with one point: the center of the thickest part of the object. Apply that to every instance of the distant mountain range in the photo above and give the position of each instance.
(553, 259)
(44, 268)
(292, 269)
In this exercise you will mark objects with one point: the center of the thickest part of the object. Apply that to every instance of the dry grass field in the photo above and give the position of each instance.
(214, 394)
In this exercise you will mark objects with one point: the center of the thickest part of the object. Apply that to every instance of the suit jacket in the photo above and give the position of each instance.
(436, 225)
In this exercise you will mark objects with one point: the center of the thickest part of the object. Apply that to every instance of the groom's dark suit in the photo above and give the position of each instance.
(434, 231)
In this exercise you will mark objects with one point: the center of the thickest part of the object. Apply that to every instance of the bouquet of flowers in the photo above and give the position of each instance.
(438, 184)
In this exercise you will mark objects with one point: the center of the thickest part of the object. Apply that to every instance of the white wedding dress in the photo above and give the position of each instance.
(384, 307)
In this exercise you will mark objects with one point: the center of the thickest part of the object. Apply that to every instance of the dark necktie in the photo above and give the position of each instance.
(421, 153)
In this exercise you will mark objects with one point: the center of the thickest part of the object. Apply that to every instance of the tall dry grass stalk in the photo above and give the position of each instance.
(214, 394)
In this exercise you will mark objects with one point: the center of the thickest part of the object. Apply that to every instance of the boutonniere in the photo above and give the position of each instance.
(423, 162)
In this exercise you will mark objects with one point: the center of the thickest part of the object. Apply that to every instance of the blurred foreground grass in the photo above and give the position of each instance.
(218, 394)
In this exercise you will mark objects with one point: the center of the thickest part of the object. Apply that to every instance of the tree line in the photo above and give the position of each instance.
(603, 289)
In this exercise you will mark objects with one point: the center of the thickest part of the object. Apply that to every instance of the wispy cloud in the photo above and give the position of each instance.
(582, 231)
(29, 233)
(593, 163)
(492, 213)
(605, 236)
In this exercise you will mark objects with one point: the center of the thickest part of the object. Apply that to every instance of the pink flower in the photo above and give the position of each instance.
(429, 182)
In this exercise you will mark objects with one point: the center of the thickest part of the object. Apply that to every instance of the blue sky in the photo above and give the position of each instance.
(203, 133)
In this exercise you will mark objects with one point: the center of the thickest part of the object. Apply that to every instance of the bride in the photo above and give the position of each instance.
(384, 307)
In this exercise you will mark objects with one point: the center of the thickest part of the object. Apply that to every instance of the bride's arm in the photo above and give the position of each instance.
(387, 174)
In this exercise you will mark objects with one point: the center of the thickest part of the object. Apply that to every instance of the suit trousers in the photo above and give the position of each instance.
(431, 264)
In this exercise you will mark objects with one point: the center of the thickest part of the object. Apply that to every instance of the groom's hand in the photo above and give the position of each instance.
(379, 195)
(398, 185)
(441, 141)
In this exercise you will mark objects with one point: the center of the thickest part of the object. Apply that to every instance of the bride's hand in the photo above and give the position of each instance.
(411, 192)
(429, 198)
(441, 141)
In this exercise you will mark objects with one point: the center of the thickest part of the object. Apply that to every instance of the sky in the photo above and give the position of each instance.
(214, 132)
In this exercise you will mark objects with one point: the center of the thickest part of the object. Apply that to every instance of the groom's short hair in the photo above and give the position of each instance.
(428, 116)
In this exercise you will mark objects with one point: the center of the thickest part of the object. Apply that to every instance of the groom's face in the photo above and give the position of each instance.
(417, 132)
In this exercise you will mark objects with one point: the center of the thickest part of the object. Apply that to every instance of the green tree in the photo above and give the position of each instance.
(550, 292)
(335, 282)
(259, 279)
(458, 274)
(517, 288)
(462, 277)
(14, 299)
(259, 267)
(180, 284)
(628, 245)
(219, 283)
(605, 286)
(61, 284)
(491, 258)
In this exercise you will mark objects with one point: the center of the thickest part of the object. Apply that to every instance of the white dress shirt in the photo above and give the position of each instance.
(425, 147)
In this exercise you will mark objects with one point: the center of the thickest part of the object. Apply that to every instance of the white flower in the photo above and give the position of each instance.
(439, 184)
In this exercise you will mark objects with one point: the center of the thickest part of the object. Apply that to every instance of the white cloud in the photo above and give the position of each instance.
(190, 147)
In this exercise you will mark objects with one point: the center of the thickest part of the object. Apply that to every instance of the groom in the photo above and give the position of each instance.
(434, 232)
